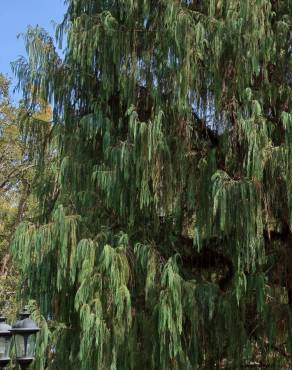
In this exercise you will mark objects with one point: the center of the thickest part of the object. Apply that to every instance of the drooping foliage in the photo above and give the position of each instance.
(162, 238)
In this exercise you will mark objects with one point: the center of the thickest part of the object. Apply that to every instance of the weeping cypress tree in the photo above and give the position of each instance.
(163, 233)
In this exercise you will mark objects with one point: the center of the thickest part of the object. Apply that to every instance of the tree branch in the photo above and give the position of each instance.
(14, 173)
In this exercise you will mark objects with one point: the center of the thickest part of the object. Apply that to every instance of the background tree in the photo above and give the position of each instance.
(163, 233)
(14, 190)
(16, 177)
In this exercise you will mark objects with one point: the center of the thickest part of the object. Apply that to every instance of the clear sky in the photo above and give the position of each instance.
(15, 16)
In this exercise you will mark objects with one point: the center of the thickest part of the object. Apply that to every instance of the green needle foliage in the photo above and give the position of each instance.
(162, 238)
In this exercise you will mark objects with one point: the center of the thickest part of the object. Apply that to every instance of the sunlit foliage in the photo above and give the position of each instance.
(163, 233)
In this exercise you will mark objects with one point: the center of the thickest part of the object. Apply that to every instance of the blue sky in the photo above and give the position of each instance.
(15, 16)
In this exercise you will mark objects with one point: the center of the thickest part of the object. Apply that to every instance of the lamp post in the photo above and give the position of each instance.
(5, 342)
(24, 331)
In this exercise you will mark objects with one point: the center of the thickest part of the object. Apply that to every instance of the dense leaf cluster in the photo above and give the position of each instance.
(163, 237)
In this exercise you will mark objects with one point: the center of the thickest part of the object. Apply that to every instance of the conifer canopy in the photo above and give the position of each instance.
(162, 238)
